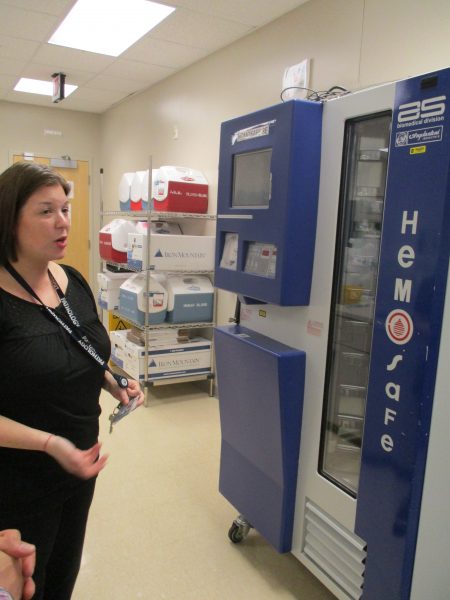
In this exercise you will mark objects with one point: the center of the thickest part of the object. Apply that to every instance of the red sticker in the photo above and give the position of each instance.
(399, 326)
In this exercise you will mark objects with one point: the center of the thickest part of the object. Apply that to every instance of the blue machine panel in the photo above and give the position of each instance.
(267, 202)
(409, 307)
(261, 399)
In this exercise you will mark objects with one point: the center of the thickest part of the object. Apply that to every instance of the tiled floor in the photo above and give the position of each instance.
(158, 525)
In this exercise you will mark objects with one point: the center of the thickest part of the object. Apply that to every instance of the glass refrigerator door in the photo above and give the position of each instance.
(353, 302)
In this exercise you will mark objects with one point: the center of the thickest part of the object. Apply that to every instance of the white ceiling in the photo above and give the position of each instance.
(196, 29)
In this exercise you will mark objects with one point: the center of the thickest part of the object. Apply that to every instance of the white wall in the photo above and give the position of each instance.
(352, 43)
(23, 129)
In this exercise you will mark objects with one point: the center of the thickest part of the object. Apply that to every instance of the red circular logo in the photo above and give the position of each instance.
(399, 326)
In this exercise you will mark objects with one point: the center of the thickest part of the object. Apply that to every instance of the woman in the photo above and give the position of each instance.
(50, 383)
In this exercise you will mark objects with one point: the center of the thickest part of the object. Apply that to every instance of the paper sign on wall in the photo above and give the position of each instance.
(295, 80)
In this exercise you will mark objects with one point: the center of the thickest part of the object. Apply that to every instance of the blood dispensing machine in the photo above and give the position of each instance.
(334, 232)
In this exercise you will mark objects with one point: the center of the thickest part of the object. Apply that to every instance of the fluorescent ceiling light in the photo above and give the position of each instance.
(108, 26)
(37, 86)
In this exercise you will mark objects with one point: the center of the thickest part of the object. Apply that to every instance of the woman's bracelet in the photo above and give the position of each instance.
(44, 449)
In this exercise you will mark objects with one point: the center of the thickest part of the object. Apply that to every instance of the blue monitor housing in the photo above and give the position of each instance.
(267, 202)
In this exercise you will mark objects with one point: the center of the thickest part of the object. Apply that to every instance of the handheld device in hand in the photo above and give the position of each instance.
(121, 411)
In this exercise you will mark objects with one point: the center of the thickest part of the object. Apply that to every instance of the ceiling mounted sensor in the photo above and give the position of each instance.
(59, 81)
(108, 26)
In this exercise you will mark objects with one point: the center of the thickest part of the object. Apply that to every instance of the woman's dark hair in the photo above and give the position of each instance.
(20, 181)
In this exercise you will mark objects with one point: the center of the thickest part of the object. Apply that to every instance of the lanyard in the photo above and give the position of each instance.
(76, 331)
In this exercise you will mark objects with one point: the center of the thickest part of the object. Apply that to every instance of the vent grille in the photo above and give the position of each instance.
(340, 554)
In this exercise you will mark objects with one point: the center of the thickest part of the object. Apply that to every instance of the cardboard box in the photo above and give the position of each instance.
(118, 339)
(182, 252)
(165, 360)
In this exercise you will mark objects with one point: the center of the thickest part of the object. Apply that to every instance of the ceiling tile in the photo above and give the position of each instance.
(199, 30)
(107, 82)
(87, 93)
(164, 53)
(250, 13)
(67, 58)
(82, 104)
(27, 24)
(69, 103)
(59, 8)
(15, 48)
(137, 70)
(24, 98)
(73, 76)
(11, 67)
(7, 81)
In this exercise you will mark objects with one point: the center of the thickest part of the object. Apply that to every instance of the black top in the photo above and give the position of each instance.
(48, 382)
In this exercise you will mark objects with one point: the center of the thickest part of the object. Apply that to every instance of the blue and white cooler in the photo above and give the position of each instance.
(190, 299)
(133, 301)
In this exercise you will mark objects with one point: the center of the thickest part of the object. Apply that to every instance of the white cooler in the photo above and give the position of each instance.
(190, 299)
(136, 190)
(125, 191)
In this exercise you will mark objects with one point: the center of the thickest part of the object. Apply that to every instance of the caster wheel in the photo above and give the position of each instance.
(235, 534)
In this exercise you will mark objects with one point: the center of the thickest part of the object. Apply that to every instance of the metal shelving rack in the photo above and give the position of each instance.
(149, 216)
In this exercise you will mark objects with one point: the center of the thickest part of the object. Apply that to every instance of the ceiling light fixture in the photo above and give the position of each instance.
(108, 26)
(37, 86)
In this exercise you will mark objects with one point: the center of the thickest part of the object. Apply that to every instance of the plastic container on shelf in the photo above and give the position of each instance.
(137, 187)
(125, 191)
(109, 283)
(113, 240)
(190, 299)
(180, 189)
(133, 298)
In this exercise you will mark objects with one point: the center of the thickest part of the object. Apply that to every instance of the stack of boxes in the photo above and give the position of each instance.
(167, 355)
(161, 295)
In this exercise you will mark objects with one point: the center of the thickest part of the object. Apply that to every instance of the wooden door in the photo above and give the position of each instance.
(77, 254)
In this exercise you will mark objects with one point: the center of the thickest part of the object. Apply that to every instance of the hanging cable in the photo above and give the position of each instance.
(318, 96)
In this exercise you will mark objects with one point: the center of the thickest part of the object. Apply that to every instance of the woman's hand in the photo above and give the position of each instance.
(82, 463)
(123, 395)
(17, 561)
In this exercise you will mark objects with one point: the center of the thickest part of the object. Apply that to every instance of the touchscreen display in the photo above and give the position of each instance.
(252, 179)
